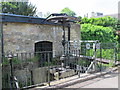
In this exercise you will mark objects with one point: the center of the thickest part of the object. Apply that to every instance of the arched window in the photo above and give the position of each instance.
(43, 46)
(43, 50)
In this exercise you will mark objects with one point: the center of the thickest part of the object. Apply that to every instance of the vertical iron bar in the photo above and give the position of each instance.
(115, 54)
(41, 59)
(100, 57)
(79, 65)
(68, 38)
(26, 77)
(22, 60)
(63, 37)
(1, 50)
(48, 69)
(45, 64)
(2, 40)
(76, 61)
(11, 71)
(94, 56)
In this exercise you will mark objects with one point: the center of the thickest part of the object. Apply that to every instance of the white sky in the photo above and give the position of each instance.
(80, 7)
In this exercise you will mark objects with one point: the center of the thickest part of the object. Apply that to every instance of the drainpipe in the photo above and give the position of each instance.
(68, 38)
(2, 41)
(63, 37)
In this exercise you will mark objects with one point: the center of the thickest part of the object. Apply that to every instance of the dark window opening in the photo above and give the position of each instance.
(43, 46)
(43, 50)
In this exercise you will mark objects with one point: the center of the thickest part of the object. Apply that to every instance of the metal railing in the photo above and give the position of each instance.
(39, 68)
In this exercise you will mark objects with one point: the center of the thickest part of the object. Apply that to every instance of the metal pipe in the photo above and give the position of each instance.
(11, 72)
(48, 54)
(68, 38)
(2, 40)
(1, 56)
(63, 36)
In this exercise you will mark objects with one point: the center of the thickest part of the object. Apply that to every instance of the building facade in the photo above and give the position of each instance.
(27, 34)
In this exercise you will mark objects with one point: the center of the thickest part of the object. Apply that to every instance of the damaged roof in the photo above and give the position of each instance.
(4, 17)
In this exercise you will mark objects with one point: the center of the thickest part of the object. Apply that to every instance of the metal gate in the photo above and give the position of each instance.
(82, 57)
(98, 56)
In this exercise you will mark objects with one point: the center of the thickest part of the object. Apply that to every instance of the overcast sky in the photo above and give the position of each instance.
(80, 7)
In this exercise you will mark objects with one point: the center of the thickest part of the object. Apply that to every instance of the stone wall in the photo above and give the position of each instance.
(21, 37)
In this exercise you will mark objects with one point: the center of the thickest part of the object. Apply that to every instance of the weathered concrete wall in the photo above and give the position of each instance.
(21, 37)
(75, 32)
(40, 75)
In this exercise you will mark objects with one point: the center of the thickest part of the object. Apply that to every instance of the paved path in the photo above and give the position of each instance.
(107, 81)
(106, 61)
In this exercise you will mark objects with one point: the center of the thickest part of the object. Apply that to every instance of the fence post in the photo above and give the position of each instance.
(94, 55)
(78, 66)
(118, 77)
(1, 52)
(48, 68)
(100, 56)
(114, 54)
(0, 70)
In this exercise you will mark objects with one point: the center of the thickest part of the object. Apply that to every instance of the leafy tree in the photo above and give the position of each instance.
(118, 25)
(79, 17)
(20, 8)
(106, 21)
(101, 24)
(118, 29)
(102, 29)
(93, 32)
(68, 12)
